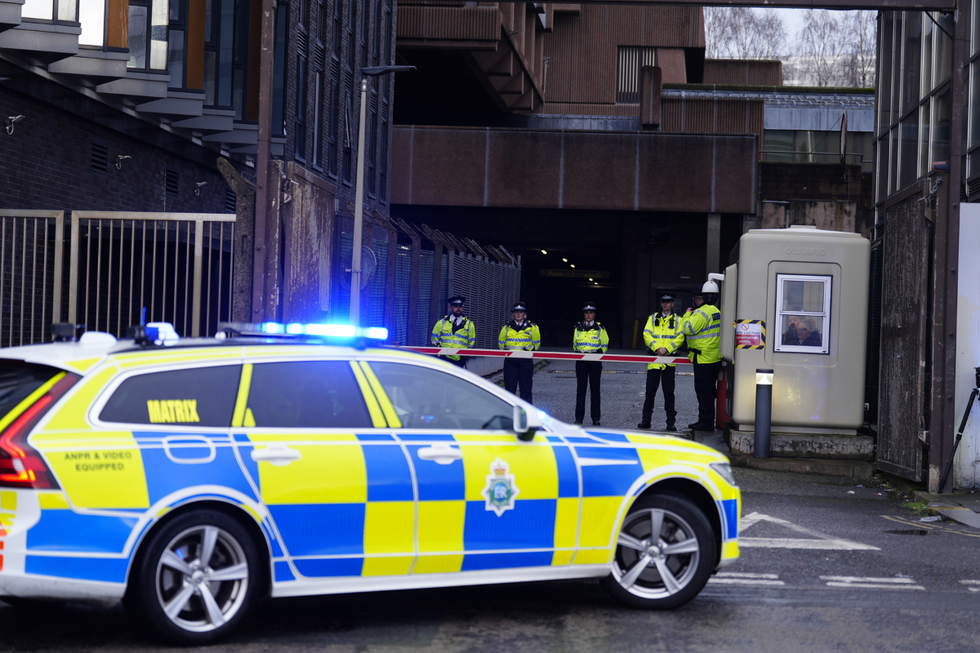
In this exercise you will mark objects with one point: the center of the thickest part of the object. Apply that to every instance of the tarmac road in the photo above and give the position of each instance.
(826, 565)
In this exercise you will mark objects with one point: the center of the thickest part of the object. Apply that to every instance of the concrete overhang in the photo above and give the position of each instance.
(41, 43)
(523, 168)
(10, 13)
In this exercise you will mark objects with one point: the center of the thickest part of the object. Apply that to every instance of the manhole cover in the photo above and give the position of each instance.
(908, 531)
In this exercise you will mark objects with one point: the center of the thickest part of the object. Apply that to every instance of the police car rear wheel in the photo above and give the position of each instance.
(664, 553)
(197, 579)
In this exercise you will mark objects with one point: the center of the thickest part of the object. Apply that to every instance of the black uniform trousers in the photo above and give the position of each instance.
(519, 372)
(654, 377)
(705, 377)
(588, 375)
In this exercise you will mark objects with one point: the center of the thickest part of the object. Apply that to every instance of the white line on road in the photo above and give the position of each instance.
(871, 583)
(745, 578)
(968, 583)
(794, 543)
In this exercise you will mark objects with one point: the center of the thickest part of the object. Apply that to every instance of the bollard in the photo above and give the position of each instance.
(763, 412)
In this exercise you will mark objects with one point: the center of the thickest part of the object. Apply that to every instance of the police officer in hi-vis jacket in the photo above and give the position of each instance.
(519, 333)
(662, 336)
(590, 337)
(455, 331)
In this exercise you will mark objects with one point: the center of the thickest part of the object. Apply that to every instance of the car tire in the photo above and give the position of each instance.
(670, 571)
(196, 578)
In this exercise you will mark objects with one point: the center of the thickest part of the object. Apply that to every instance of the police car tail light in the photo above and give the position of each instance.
(20, 465)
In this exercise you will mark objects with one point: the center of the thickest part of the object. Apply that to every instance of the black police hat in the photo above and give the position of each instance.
(697, 292)
(666, 296)
(457, 300)
(519, 306)
(589, 306)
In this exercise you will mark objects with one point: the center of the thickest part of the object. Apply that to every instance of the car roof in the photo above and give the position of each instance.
(81, 356)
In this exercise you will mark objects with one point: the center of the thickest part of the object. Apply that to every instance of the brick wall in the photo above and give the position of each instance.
(47, 164)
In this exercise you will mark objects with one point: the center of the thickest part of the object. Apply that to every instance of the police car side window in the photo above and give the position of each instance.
(307, 394)
(429, 399)
(202, 396)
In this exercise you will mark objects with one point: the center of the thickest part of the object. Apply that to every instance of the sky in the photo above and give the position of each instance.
(793, 19)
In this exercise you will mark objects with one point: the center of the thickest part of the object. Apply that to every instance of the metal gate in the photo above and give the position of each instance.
(176, 266)
(903, 380)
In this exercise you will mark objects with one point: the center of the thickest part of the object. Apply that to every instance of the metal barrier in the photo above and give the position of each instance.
(30, 274)
(161, 248)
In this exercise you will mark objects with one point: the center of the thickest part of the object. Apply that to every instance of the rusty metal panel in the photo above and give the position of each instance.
(449, 23)
(902, 394)
(743, 73)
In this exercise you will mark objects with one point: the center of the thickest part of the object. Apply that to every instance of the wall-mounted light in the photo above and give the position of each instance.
(572, 265)
(197, 191)
(564, 260)
(120, 158)
(591, 279)
(544, 251)
(10, 123)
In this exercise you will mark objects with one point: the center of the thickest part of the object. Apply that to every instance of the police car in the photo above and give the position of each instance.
(192, 478)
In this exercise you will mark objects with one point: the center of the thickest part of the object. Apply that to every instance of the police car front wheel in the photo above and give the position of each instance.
(197, 577)
(664, 553)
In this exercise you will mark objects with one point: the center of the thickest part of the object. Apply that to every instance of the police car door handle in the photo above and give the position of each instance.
(441, 455)
(277, 454)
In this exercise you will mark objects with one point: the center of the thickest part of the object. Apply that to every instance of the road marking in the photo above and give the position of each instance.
(816, 542)
(871, 583)
(968, 583)
(741, 578)
(797, 543)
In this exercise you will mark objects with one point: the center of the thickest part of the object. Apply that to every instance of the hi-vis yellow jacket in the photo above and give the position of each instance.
(663, 331)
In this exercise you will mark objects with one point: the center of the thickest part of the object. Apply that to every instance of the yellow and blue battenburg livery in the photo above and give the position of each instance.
(191, 478)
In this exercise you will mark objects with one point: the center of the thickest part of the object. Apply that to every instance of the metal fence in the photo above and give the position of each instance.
(490, 289)
(176, 266)
(31, 260)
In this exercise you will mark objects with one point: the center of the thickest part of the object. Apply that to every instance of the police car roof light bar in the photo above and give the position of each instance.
(296, 329)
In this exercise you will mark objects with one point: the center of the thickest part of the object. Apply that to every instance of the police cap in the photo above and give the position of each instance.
(666, 296)
(589, 306)
(697, 292)
(457, 300)
(519, 306)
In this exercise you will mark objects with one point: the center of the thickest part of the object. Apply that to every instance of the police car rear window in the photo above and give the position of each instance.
(18, 380)
(307, 394)
(202, 396)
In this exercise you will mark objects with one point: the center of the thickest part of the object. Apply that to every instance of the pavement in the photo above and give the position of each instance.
(623, 387)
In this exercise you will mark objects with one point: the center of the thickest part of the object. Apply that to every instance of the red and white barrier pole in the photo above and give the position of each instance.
(552, 355)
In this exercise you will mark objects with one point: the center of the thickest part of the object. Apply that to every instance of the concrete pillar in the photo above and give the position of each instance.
(713, 248)
(651, 84)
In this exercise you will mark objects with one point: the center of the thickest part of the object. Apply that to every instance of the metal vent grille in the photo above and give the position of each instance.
(231, 202)
(301, 42)
(973, 187)
(318, 56)
(100, 158)
(631, 59)
(173, 180)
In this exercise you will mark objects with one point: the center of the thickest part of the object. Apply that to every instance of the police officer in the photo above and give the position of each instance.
(519, 333)
(454, 331)
(662, 336)
(702, 329)
(590, 337)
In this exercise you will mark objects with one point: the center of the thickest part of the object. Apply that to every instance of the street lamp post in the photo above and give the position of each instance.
(355, 271)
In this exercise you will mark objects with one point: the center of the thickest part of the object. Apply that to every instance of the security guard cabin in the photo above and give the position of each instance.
(796, 302)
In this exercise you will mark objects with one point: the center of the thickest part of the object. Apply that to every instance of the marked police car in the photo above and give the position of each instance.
(191, 479)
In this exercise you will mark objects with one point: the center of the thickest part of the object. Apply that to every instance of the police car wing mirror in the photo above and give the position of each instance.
(525, 424)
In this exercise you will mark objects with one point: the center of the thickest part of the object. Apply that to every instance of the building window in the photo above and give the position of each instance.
(317, 117)
(333, 111)
(631, 60)
(279, 72)
(148, 47)
(218, 52)
(301, 108)
(177, 45)
(91, 15)
(803, 313)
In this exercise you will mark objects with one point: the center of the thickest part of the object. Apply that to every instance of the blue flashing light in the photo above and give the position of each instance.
(344, 331)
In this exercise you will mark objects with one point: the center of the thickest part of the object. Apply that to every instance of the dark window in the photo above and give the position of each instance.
(301, 108)
(372, 145)
(202, 396)
(309, 394)
(351, 34)
(333, 111)
(338, 28)
(218, 52)
(429, 399)
(279, 72)
(383, 182)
